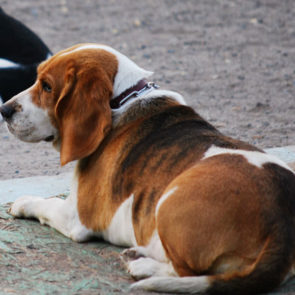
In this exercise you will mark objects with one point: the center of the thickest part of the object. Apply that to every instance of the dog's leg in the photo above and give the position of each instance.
(153, 250)
(55, 212)
(59, 214)
(148, 261)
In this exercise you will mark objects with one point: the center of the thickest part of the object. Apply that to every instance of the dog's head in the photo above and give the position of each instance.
(69, 102)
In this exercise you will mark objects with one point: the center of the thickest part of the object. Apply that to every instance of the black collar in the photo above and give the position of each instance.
(131, 92)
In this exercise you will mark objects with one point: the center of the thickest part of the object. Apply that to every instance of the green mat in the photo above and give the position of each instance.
(36, 259)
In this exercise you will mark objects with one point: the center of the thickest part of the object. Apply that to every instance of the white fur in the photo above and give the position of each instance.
(5, 63)
(31, 123)
(121, 232)
(255, 158)
(154, 250)
(185, 285)
(171, 94)
(55, 212)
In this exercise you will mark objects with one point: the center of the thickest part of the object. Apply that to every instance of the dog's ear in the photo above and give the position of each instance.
(83, 112)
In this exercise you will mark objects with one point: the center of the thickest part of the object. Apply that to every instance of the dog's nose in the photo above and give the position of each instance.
(7, 110)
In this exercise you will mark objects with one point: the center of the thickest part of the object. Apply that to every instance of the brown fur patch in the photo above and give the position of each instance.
(230, 217)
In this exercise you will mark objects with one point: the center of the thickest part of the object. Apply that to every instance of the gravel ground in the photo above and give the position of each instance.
(234, 61)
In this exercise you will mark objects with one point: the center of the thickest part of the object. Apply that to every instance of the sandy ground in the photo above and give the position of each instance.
(234, 61)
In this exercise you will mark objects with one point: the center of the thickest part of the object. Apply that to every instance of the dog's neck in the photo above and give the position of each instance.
(128, 74)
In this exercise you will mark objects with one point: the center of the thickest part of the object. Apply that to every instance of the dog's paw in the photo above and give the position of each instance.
(142, 268)
(146, 267)
(21, 207)
(132, 254)
(80, 234)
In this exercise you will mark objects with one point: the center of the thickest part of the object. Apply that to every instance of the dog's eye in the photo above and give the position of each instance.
(46, 87)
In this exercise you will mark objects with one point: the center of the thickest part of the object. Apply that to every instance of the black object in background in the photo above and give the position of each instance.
(24, 49)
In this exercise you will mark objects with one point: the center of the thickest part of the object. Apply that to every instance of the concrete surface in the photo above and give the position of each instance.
(42, 186)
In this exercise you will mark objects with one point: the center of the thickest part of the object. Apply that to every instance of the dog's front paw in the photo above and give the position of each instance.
(21, 207)
(142, 268)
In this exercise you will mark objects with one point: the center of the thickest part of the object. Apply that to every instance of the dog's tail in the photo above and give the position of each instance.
(267, 272)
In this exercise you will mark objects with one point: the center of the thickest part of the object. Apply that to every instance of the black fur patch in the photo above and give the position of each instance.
(165, 144)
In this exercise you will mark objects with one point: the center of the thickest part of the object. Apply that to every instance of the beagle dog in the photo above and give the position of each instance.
(202, 212)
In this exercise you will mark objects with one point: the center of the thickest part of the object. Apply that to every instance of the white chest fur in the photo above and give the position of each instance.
(120, 232)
